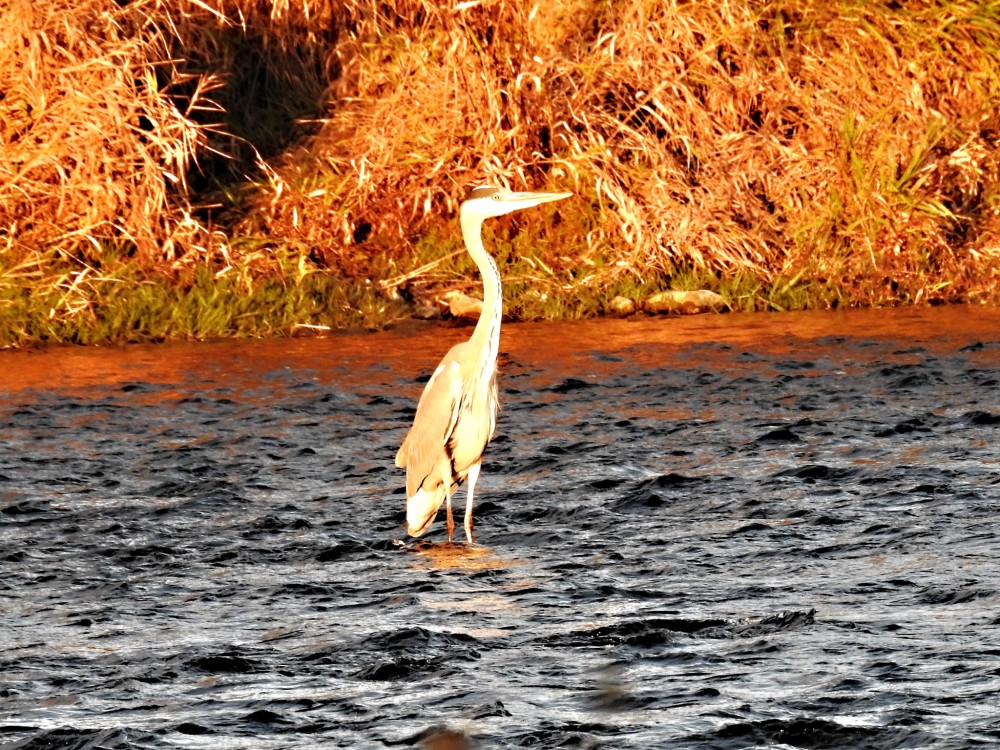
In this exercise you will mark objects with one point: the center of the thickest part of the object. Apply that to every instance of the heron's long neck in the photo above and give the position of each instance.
(487, 332)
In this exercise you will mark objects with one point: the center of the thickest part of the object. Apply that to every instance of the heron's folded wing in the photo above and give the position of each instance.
(437, 414)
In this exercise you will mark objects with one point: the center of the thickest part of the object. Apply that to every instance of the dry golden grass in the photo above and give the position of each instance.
(107, 107)
(851, 148)
(853, 143)
(92, 146)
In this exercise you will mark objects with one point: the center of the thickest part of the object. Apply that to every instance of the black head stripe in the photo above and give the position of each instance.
(483, 191)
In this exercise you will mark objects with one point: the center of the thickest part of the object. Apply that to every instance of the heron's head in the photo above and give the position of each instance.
(486, 201)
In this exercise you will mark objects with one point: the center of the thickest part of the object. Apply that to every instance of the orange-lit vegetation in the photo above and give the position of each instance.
(225, 167)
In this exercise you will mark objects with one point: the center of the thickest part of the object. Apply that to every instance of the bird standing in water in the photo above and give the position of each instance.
(457, 413)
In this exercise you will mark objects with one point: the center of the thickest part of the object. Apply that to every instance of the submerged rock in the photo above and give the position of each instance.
(685, 303)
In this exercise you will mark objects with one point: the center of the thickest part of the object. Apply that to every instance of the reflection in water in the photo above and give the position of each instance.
(714, 532)
(455, 556)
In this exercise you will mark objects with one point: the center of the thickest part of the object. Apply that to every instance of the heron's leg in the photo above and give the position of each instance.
(447, 494)
(473, 476)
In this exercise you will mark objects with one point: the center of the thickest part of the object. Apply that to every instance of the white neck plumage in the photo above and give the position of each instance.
(487, 332)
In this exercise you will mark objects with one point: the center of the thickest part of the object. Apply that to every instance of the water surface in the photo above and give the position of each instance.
(711, 532)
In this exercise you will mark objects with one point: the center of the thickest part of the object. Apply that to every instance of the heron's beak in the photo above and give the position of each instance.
(527, 200)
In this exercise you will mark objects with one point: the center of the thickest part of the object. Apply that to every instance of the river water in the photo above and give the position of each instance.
(713, 532)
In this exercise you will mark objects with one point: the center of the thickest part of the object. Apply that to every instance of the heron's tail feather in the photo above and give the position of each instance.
(422, 508)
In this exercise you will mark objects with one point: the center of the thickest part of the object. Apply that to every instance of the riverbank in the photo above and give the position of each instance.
(126, 305)
(266, 169)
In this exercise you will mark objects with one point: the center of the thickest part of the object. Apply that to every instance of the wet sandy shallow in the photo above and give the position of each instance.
(714, 532)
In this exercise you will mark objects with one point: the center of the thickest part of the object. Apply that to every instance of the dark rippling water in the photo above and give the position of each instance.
(722, 532)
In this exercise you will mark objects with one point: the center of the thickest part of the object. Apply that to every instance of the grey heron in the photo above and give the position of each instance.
(457, 412)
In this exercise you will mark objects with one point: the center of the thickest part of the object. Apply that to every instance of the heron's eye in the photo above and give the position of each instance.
(496, 196)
